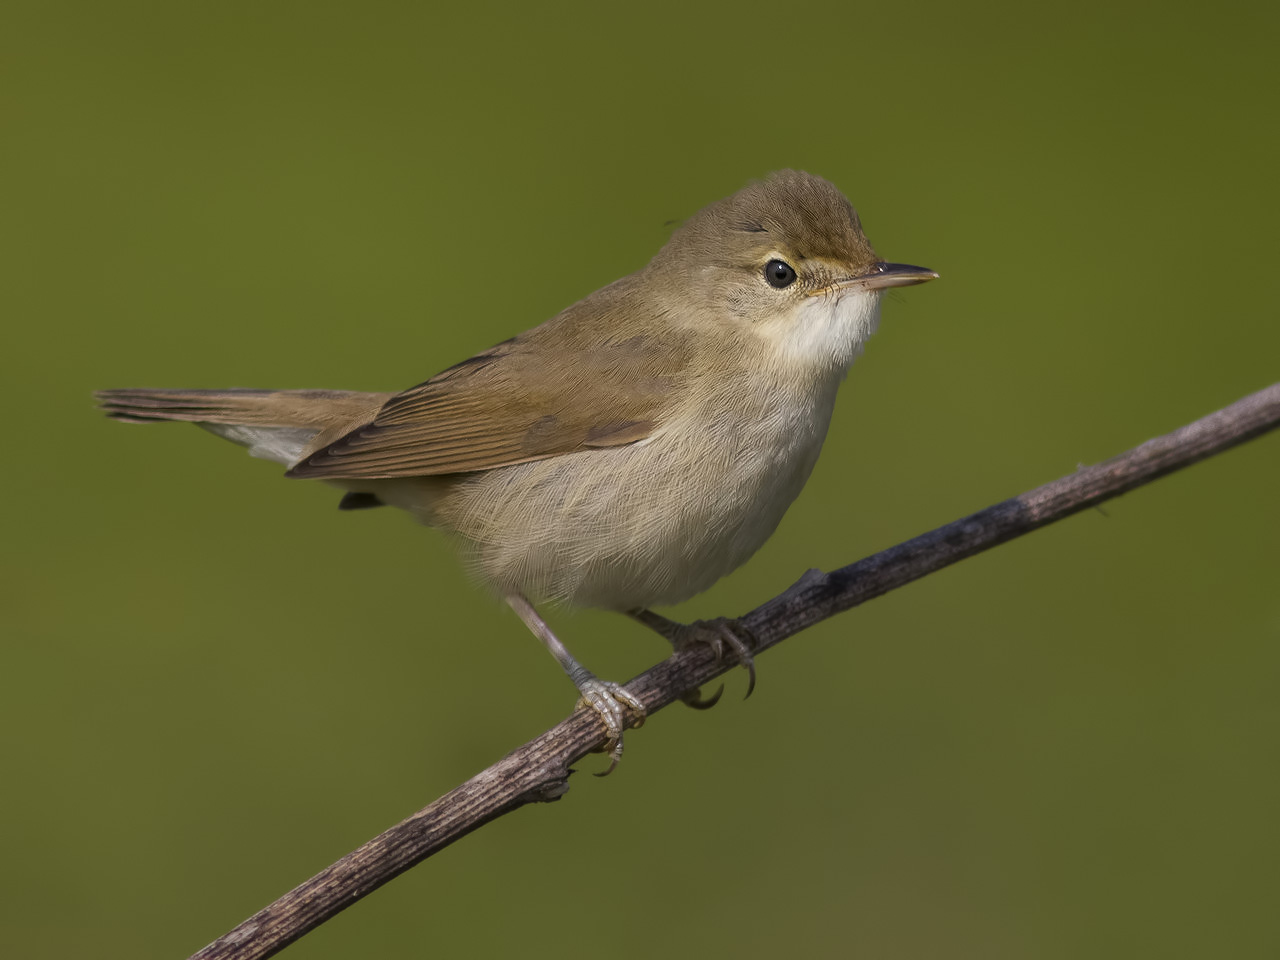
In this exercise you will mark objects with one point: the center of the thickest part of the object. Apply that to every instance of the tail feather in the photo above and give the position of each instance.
(280, 425)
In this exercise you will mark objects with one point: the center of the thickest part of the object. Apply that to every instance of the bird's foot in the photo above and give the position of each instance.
(608, 699)
(718, 634)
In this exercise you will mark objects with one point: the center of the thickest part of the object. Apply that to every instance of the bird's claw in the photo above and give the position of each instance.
(693, 698)
(717, 634)
(607, 698)
(728, 633)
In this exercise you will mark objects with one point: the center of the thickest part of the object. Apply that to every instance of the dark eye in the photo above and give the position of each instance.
(779, 273)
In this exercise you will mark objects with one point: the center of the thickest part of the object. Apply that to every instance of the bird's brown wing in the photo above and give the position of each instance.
(516, 402)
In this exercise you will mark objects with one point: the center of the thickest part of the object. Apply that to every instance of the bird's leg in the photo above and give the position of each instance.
(717, 634)
(603, 696)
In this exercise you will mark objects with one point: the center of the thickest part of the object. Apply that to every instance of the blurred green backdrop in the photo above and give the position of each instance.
(215, 684)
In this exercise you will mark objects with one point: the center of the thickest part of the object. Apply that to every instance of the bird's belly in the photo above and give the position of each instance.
(645, 525)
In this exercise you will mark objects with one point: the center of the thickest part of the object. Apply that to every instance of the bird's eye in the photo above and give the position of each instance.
(779, 274)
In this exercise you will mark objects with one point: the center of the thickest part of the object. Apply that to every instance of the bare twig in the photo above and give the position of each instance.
(539, 770)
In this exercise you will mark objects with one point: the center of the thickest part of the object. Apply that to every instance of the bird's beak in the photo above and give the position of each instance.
(885, 275)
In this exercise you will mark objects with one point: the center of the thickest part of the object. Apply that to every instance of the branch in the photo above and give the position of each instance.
(539, 770)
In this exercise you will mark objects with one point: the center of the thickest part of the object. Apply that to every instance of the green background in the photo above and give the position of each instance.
(214, 683)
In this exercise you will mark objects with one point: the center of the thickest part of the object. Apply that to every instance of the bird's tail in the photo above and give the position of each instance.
(280, 425)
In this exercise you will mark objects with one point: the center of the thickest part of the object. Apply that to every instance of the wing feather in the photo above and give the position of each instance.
(510, 405)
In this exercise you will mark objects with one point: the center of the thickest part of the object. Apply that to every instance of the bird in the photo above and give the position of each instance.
(625, 454)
